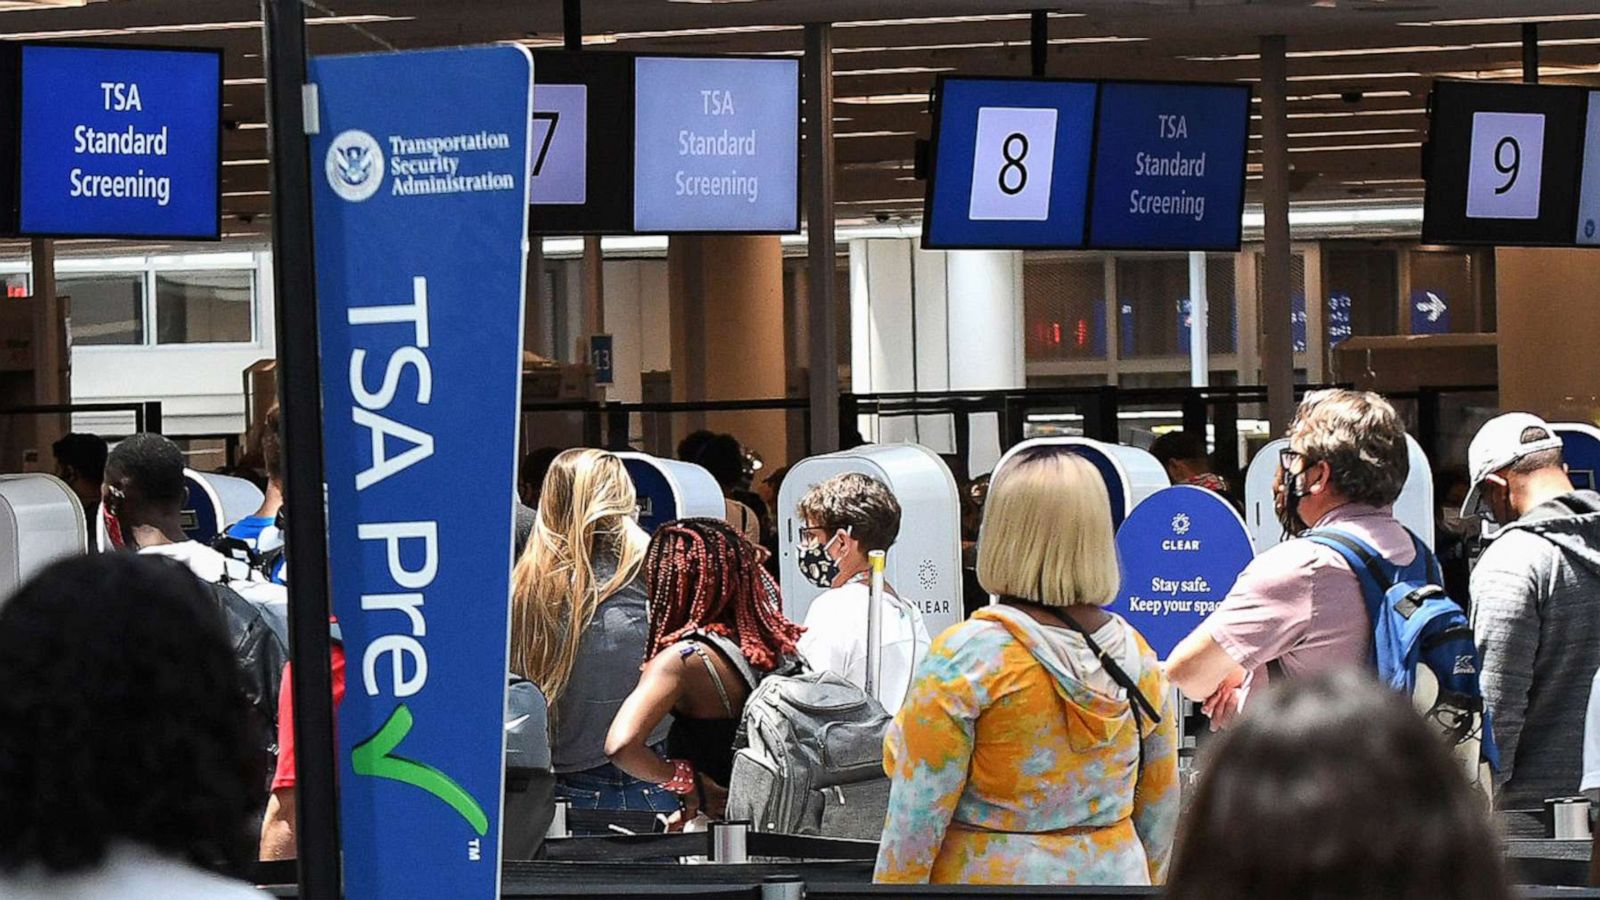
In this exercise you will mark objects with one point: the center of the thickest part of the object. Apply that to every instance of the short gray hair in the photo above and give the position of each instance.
(1360, 436)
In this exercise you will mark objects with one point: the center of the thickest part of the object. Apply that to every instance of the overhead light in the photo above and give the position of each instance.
(874, 134)
(697, 32)
(895, 70)
(950, 20)
(1350, 114)
(252, 126)
(241, 25)
(1506, 20)
(985, 45)
(235, 82)
(247, 162)
(1340, 148)
(23, 5)
(1361, 131)
(882, 99)
(1365, 95)
(246, 193)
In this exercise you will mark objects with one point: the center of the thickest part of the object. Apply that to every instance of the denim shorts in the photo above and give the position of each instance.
(608, 787)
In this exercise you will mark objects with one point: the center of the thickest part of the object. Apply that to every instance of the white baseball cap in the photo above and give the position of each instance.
(1501, 442)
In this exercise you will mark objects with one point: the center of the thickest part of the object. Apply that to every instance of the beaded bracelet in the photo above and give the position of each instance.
(682, 780)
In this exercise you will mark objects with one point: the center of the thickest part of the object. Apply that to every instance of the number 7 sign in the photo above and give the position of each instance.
(560, 144)
(1506, 162)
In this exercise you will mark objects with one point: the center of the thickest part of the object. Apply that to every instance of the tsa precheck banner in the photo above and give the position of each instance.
(420, 184)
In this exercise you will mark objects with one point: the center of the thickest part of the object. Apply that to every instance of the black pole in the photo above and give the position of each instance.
(1039, 40)
(299, 397)
(1530, 52)
(572, 23)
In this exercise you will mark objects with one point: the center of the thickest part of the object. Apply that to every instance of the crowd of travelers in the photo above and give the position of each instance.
(1036, 742)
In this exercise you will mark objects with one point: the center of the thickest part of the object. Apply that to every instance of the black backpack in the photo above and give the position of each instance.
(261, 654)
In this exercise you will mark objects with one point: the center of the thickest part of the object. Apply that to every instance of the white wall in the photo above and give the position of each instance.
(201, 386)
(636, 297)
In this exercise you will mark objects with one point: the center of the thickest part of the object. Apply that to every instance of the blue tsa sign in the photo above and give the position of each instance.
(120, 142)
(420, 208)
(1169, 166)
(1182, 549)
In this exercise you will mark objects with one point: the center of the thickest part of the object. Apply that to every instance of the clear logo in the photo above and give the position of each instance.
(1181, 524)
(355, 165)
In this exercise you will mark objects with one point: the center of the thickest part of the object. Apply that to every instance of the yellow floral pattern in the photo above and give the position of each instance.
(1003, 774)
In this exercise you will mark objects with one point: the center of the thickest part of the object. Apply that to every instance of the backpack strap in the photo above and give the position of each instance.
(1356, 552)
(1379, 572)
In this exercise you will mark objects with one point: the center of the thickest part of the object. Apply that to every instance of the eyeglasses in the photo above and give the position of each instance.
(812, 529)
(1286, 458)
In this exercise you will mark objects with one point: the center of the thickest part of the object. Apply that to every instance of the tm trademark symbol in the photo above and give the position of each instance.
(474, 850)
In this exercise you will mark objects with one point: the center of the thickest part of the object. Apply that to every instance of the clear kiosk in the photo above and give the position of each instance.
(41, 521)
(669, 489)
(1415, 508)
(924, 565)
(1131, 475)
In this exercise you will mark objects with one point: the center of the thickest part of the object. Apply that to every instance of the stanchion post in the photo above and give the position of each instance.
(729, 842)
(300, 393)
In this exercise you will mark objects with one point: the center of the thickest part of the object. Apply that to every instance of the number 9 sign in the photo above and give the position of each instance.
(1503, 175)
(1011, 164)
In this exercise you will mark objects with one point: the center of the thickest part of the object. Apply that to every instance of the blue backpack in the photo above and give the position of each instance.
(1422, 641)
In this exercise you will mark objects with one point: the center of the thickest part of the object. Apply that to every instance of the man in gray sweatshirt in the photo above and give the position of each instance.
(1536, 606)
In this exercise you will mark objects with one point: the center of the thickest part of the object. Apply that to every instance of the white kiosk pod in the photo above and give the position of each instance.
(669, 489)
(41, 521)
(1415, 508)
(1131, 475)
(924, 565)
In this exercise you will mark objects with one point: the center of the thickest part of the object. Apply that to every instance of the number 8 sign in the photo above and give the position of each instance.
(1507, 159)
(1012, 164)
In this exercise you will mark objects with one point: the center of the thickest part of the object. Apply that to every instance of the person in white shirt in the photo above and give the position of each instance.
(846, 518)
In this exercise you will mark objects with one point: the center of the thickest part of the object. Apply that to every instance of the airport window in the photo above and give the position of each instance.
(1065, 309)
(1361, 288)
(107, 308)
(205, 306)
(1150, 296)
(1443, 294)
(1222, 306)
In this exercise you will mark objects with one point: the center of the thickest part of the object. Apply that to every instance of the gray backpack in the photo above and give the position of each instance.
(810, 759)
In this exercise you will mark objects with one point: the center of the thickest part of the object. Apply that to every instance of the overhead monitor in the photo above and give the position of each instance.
(716, 145)
(582, 143)
(119, 142)
(1009, 163)
(1169, 166)
(1503, 164)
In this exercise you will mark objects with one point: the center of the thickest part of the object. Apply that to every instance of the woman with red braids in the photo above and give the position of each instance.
(716, 625)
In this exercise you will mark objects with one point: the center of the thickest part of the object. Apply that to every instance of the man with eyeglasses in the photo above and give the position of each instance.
(1298, 608)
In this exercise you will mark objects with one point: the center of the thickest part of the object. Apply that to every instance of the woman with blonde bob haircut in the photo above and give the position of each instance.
(579, 624)
(1038, 744)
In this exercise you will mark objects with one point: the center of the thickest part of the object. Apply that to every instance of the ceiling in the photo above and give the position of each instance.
(1359, 70)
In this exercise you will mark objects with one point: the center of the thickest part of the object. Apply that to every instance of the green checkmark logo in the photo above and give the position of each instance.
(375, 757)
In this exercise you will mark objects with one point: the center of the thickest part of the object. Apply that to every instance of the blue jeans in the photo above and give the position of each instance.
(608, 787)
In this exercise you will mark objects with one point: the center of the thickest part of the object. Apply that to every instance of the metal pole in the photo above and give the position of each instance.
(300, 396)
(821, 247)
(1277, 340)
(1530, 52)
(572, 23)
(1199, 344)
(1039, 41)
(875, 625)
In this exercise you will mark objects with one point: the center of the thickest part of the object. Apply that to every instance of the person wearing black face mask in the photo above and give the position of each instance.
(847, 517)
(1298, 608)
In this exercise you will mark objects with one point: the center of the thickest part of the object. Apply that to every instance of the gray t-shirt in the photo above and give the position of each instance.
(604, 674)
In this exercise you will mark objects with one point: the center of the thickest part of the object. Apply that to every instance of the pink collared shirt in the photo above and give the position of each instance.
(1300, 604)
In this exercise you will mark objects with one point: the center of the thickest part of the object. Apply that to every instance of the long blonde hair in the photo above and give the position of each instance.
(585, 512)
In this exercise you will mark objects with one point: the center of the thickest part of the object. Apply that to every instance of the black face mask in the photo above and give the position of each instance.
(1288, 506)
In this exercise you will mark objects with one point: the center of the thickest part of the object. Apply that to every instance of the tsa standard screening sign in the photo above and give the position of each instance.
(1169, 166)
(120, 142)
(1182, 549)
(420, 187)
(716, 145)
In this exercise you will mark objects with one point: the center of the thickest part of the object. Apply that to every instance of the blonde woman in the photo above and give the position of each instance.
(579, 624)
(1021, 756)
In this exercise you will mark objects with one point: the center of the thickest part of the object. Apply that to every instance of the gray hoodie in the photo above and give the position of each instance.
(1536, 619)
